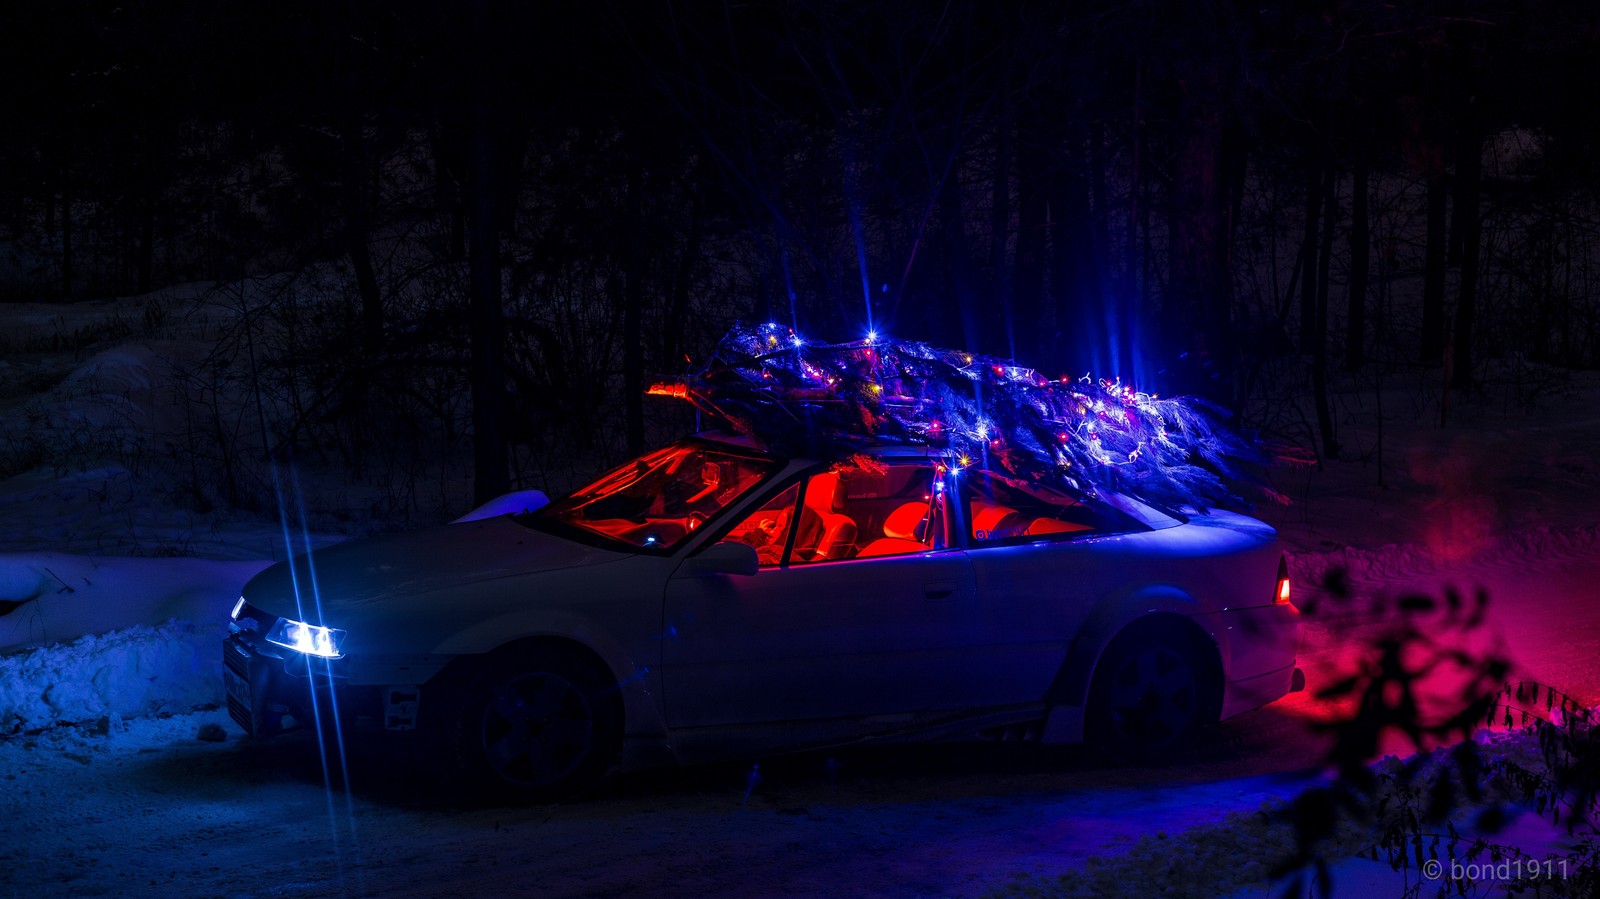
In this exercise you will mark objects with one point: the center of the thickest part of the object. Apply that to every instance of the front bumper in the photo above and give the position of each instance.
(271, 690)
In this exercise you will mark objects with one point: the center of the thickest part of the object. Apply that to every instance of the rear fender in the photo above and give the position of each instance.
(1109, 618)
(1069, 692)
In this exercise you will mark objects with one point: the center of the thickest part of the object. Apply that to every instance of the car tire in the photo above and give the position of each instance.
(1153, 689)
(535, 726)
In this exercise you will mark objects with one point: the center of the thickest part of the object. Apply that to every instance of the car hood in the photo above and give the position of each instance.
(362, 573)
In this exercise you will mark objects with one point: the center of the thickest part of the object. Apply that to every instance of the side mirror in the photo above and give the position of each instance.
(726, 558)
(508, 504)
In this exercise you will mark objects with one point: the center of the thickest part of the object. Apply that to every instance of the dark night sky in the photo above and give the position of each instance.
(567, 198)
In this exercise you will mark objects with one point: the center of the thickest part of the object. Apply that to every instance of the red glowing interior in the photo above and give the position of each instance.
(658, 500)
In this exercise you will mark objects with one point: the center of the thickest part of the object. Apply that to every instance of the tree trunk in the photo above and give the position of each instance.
(1081, 326)
(1355, 354)
(1000, 229)
(458, 233)
(672, 342)
(1433, 273)
(355, 239)
(509, 150)
(487, 370)
(353, 170)
(1308, 251)
(1200, 293)
(1117, 295)
(960, 297)
(1330, 219)
(1469, 170)
(1132, 284)
(147, 247)
(632, 305)
(1458, 212)
(66, 233)
(444, 144)
(1027, 289)
(1319, 347)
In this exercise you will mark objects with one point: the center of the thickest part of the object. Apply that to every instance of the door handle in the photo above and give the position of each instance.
(939, 589)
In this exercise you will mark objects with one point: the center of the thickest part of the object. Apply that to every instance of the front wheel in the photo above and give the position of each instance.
(540, 728)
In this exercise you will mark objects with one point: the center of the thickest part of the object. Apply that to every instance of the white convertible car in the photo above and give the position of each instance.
(710, 598)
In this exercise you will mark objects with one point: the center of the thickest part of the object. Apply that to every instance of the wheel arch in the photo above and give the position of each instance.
(1168, 625)
(635, 680)
(1126, 617)
(480, 683)
(533, 645)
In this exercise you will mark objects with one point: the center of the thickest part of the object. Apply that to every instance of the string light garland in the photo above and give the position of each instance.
(831, 400)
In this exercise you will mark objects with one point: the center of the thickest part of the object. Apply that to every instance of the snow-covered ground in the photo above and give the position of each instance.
(114, 587)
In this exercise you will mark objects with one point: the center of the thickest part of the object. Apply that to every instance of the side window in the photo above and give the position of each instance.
(861, 513)
(767, 528)
(1001, 508)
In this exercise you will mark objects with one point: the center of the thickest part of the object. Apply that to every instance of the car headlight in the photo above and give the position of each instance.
(307, 638)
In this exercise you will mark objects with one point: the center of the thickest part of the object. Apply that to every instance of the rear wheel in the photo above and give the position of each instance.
(540, 726)
(1151, 692)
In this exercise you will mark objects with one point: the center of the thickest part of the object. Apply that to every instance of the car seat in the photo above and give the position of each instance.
(909, 522)
(992, 521)
(826, 533)
(904, 531)
(1044, 526)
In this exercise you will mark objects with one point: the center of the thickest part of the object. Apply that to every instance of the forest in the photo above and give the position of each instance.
(460, 239)
(275, 276)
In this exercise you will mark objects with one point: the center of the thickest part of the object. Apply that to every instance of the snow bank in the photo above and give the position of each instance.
(172, 667)
(87, 639)
(91, 640)
(1394, 561)
(58, 597)
(117, 388)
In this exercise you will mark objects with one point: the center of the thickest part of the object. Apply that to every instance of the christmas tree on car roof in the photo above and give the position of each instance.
(833, 400)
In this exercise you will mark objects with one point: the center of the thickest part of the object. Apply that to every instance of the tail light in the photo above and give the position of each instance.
(1281, 595)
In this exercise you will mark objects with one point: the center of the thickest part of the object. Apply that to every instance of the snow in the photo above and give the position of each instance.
(119, 589)
(92, 637)
(64, 597)
(1233, 858)
(141, 670)
(1384, 564)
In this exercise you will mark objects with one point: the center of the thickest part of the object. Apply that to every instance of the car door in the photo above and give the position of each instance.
(1042, 559)
(866, 612)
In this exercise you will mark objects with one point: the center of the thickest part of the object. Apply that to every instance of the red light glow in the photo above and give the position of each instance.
(678, 389)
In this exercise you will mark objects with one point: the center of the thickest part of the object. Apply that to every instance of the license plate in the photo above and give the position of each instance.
(238, 688)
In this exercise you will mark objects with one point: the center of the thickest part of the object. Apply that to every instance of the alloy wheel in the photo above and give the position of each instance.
(537, 729)
(1154, 697)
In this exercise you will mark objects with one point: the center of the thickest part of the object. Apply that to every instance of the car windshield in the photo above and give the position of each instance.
(657, 501)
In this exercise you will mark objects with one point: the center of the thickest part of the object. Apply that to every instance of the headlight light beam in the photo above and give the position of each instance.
(311, 639)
